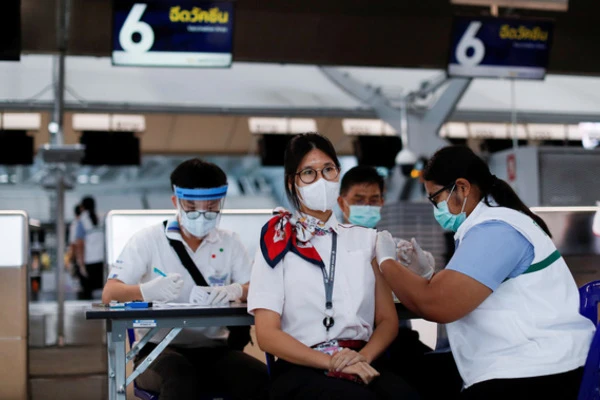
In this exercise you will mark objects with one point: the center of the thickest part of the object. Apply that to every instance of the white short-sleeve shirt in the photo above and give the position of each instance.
(221, 258)
(295, 290)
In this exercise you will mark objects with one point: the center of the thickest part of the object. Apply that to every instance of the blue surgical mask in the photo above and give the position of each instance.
(367, 216)
(445, 218)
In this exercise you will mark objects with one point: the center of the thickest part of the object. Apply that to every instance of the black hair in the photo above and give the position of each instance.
(454, 162)
(89, 204)
(77, 210)
(196, 173)
(297, 148)
(360, 175)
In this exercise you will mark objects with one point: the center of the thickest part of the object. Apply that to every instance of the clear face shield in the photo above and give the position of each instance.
(200, 208)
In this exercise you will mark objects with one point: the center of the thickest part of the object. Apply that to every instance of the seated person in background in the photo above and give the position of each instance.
(319, 302)
(198, 360)
(361, 199)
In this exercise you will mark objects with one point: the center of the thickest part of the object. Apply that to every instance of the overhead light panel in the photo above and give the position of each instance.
(109, 122)
(21, 121)
(547, 5)
(375, 127)
(262, 125)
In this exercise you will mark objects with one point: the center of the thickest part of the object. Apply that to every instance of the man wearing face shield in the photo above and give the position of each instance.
(188, 259)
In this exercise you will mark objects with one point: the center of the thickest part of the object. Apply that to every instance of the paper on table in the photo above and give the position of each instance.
(177, 305)
(185, 305)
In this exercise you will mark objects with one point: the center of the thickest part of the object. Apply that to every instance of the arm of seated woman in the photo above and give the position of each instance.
(386, 319)
(273, 340)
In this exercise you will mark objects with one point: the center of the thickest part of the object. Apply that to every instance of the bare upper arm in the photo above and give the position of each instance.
(265, 321)
(384, 301)
(452, 295)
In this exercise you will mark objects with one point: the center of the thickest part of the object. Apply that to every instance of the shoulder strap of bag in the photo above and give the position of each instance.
(187, 261)
(239, 336)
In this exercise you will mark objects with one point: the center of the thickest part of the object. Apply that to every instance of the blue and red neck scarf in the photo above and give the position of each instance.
(286, 232)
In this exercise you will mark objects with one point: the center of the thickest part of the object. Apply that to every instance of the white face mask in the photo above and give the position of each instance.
(198, 227)
(320, 195)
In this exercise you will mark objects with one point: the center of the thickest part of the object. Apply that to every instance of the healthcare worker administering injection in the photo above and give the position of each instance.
(189, 259)
(507, 296)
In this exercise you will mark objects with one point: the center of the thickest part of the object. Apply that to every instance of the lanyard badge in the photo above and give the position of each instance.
(328, 321)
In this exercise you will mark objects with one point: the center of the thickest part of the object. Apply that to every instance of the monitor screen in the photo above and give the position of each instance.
(110, 148)
(16, 148)
(10, 30)
(168, 33)
(500, 48)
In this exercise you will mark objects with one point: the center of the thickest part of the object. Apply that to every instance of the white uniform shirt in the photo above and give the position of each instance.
(221, 258)
(295, 290)
(93, 236)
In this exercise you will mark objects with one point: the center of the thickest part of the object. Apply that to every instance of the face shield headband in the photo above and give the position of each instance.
(200, 194)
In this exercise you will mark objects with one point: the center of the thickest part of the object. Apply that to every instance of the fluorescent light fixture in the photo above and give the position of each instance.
(302, 125)
(590, 134)
(22, 121)
(360, 127)
(461, 130)
(108, 122)
(268, 125)
(127, 123)
(552, 5)
(91, 122)
(596, 221)
(260, 125)
(454, 130)
(547, 131)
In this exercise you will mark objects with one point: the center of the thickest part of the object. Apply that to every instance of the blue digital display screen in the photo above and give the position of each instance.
(501, 48)
(170, 33)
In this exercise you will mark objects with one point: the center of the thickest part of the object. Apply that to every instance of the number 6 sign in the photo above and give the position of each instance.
(499, 47)
(133, 24)
(469, 41)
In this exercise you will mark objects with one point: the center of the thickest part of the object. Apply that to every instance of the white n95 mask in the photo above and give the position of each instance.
(198, 227)
(320, 195)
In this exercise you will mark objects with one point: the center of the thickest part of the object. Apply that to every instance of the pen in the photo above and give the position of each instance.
(158, 271)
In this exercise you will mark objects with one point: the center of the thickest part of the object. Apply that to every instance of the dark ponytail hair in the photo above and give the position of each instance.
(89, 205)
(454, 162)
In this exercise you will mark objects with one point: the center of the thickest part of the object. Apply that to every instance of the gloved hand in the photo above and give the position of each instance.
(411, 255)
(162, 289)
(404, 251)
(216, 295)
(385, 247)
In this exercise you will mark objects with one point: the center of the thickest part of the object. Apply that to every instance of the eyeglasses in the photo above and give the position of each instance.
(309, 175)
(195, 214)
(198, 208)
(436, 194)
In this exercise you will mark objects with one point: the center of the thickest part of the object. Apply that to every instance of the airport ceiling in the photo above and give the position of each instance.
(385, 33)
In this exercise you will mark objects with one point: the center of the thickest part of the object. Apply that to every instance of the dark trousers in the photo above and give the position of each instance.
(292, 381)
(563, 386)
(94, 280)
(179, 373)
(414, 362)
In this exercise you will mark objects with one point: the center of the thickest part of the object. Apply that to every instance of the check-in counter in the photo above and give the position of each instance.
(577, 238)
(122, 224)
(14, 243)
